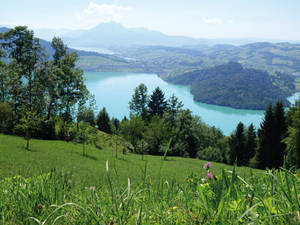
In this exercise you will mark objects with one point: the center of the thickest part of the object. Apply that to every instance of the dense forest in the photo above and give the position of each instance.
(237, 87)
(45, 97)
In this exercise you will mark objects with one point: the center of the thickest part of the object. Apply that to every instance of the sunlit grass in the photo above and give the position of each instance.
(54, 184)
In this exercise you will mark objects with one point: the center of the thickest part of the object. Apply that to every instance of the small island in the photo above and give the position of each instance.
(237, 87)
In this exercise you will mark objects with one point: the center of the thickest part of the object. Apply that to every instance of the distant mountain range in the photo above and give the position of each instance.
(81, 53)
(115, 35)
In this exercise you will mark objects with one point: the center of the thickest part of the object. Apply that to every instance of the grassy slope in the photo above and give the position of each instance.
(260, 198)
(45, 155)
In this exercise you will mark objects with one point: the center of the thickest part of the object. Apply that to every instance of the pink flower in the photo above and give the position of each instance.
(92, 188)
(209, 175)
(207, 165)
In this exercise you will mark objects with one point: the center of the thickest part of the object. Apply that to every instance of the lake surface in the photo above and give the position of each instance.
(114, 91)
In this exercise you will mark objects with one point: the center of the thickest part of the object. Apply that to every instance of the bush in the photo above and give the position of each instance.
(5, 118)
(210, 154)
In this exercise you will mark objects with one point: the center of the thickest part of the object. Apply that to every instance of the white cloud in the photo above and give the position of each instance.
(213, 21)
(95, 14)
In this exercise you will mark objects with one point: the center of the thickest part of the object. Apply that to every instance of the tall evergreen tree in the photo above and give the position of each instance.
(292, 140)
(157, 104)
(279, 131)
(103, 121)
(251, 142)
(266, 140)
(116, 123)
(238, 150)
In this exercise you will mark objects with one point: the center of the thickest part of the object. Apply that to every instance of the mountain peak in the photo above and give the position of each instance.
(110, 25)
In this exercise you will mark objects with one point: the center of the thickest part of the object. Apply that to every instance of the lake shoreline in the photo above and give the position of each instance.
(114, 90)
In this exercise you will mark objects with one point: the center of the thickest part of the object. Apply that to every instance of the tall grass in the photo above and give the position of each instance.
(269, 198)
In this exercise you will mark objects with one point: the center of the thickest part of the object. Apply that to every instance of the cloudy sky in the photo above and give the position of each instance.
(276, 19)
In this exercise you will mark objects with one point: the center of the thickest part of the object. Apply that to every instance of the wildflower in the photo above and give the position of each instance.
(92, 188)
(40, 206)
(207, 165)
(209, 175)
(174, 207)
(206, 185)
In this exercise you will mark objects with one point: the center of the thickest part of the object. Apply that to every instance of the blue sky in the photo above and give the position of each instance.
(276, 19)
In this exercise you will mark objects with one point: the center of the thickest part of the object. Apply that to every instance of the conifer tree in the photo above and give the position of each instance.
(266, 139)
(157, 104)
(279, 130)
(103, 121)
(292, 140)
(251, 142)
(238, 150)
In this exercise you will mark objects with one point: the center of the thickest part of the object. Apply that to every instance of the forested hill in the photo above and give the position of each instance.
(232, 85)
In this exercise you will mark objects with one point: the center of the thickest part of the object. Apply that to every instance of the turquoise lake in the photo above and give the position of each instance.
(114, 90)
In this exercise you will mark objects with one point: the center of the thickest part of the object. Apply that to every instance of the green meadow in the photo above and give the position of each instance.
(53, 183)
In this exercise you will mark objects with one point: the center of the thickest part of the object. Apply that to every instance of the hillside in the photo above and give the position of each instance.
(237, 87)
(46, 155)
(170, 61)
(54, 184)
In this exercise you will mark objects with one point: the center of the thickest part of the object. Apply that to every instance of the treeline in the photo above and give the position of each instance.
(276, 144)
(160, 126)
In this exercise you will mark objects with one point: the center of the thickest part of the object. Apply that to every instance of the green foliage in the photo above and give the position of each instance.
(139, 102)
(31, 82)
(103, 121)
(271, 134)
(292, 140)
(157, 103)
(156, 135)
(86, 135)
(172, 111)
(116, 125)
(86, 115)
(5, 118)
(280, 131)
(237, 87)
(251, 143)
(211, 154)
(132, 130)
(238, 149)
(28, 124)
(265, 139)
(141, 147)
